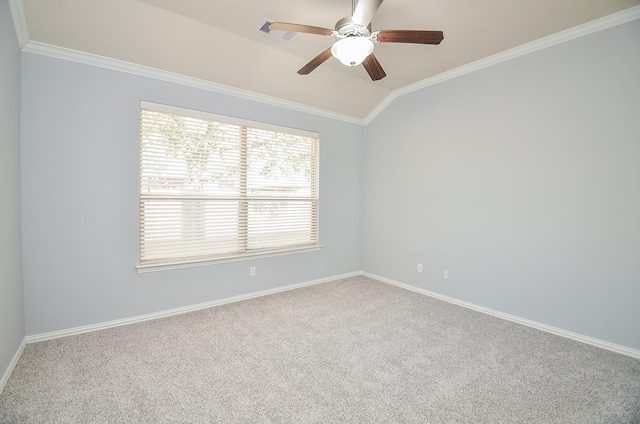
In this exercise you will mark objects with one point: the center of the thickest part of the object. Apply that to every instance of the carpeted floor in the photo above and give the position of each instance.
(350, 351)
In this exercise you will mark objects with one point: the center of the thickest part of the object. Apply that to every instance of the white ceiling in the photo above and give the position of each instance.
(218, 40)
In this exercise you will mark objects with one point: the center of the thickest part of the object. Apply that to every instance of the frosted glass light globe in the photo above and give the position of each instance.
(353, 50)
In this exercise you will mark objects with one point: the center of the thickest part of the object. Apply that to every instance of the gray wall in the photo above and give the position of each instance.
(523, 180)
(80, 199)
(11, 303)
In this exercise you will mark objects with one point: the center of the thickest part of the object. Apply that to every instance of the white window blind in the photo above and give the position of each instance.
(215, 188)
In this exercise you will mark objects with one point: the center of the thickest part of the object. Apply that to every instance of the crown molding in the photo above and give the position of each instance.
(615, 19)
(158, 74)
(19, 19)
(19, 22)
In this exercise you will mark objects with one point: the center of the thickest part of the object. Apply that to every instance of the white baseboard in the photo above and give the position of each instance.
(14, 361)
(177, 311)
(161, 314)
(634, 353)
(140, 318)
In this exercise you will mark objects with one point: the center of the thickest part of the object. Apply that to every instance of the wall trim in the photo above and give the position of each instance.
(606, 22)
(178, 311)
(12, 365)
(191, 308)
(634, 353)
(158, 74)
(19, 19)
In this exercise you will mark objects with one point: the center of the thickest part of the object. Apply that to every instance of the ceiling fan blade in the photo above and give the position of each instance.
(365, 9)
(315, 62)
(410, 36)
(373, 68)
(284, 26)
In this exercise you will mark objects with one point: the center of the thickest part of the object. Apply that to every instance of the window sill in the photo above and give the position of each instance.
(162, 266)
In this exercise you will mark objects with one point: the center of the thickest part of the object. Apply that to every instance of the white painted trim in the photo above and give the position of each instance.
(19, 21)
(177, 311)
(191, 308)
(160, 266)
(195, 113)
(17, 11)
(158, 74)
(529, 323)
(606, 22)
(12, 365)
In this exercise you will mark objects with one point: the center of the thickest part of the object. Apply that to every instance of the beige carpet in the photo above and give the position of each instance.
(350, 351)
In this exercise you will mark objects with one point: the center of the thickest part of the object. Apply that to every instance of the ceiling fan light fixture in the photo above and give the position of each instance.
(352, 50)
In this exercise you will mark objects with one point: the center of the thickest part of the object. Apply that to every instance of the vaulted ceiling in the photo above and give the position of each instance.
(219, 41)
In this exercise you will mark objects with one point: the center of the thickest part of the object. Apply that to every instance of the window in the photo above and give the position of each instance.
(217, 189)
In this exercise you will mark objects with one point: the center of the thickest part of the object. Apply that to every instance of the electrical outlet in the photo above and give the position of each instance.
(446, 274)
(419, 267)
(252, 271)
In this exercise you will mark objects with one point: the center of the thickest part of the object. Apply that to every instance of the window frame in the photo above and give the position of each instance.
(188, 262)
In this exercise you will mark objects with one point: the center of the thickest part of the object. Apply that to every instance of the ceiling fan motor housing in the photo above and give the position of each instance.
(345, 27)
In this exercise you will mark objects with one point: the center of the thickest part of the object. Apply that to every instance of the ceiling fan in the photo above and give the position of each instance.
(355, 39)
